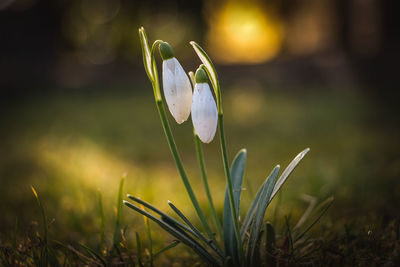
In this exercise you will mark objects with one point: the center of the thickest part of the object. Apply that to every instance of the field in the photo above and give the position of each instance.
(73, 146)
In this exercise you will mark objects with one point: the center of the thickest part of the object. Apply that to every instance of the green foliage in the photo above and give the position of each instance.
(212, 74)
(43, 250)
(117, 227)
(236, 240)
(258, 215)
(237, 174)
(200, 159)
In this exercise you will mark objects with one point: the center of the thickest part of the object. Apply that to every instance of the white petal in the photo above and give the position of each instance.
(177, 89)
(204, 112)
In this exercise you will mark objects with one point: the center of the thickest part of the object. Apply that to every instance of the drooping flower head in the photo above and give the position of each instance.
(176, 85)
(204, 109)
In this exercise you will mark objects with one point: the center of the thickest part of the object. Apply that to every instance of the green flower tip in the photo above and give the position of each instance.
(166, 51)
(201, 76)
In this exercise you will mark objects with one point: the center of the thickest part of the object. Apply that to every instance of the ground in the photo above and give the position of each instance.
(71, 145)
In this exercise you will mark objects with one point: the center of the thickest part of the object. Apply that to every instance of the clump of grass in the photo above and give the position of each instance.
(44, 249)
(355, 243)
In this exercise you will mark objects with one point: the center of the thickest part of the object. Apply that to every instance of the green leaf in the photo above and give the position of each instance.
(207, 63)
(164, 216)
(200, 250)
(173, 244)
(237, 173)
(252, 210)
(199, 235)
(288, 171)
(146, 51)
(258, 214)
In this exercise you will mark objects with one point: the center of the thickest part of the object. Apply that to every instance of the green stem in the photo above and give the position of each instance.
(175, 154)
(230, 187)
(181, 169)
(217, 90)
(200, 158)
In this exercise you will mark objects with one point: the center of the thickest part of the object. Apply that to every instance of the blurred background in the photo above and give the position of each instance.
(77, 109)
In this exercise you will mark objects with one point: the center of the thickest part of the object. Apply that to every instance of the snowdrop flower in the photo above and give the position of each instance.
(176, 85)
(204, 109)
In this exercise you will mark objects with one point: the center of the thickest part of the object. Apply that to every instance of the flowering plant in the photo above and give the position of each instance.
(240, 239)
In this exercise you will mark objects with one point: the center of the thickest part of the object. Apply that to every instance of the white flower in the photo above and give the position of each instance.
(204, 109)
(176, 85)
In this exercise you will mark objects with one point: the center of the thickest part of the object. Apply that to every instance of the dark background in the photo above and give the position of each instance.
(77, 109)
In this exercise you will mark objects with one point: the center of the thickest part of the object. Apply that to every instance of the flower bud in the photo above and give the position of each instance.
(204, 109)
(176, 85)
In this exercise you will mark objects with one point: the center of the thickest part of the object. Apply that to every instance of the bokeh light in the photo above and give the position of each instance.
(243, 32)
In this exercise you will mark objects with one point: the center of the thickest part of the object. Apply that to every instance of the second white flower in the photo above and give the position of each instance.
(204, 109)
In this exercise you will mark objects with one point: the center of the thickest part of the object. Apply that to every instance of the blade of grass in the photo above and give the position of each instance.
(44, 217)
(164, 249)
(44, 252)
(178, 228)
(200, 250)
(80, 255)
(93, 253)
(164, 216)
(199, 235)
(117, 230)
(311, 204)
(148, 232)
(327, 203)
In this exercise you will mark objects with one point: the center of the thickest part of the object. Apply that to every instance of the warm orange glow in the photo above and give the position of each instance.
(243, 33)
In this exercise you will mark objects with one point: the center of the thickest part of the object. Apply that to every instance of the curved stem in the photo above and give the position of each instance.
(155, 82)
(175, 153)
(181, 169)
(200, 158)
